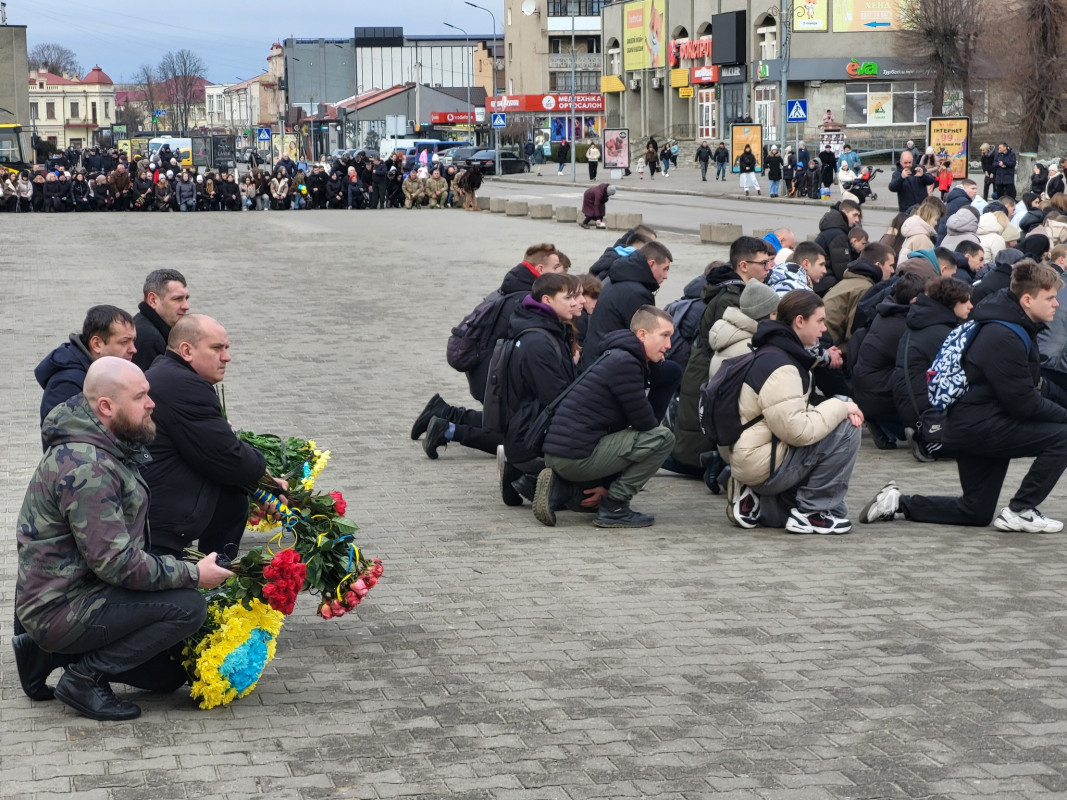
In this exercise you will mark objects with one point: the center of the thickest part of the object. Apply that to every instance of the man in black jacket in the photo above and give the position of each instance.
(1000, 416)
(200, 474)
(166, 300)
(703, 155)
(1000, 276)
(833, 238)
(909, 182)
(605, 426)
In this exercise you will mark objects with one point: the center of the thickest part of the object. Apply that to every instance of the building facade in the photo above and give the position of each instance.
(688, 68)
(66, 111)
(551, 44)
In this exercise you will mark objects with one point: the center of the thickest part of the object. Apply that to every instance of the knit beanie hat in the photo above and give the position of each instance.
(758, 300)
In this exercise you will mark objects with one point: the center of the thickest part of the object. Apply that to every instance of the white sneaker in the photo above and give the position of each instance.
(884, 507)
(501, 462)
(819, 522)
(1029, 520)
(742, 505)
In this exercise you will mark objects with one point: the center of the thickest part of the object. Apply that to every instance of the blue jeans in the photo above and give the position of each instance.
(299, 201)
(246, 202)
(720, 169)
(666, 165)
(774, 187)
(187, 205)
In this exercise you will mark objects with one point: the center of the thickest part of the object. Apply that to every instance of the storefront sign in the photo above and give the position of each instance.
(861, 69)
(644, 26)
(733, 74)
(685, 92)
(557, 102)
(949, 137)
(866, 15)
(696, 50)
(810, 15)
(704, 74)
(451, 117)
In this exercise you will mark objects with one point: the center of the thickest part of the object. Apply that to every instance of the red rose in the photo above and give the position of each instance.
(339, 504)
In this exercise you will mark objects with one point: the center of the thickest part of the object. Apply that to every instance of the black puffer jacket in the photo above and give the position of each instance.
(152, 334)
(609, 398)
(690, 306)
(925, 328)
(610, 256)
(632, 285)
(540, 368)
(833, 239)
(1003, 378)
(516, 285)
(194, 455)
(872, 377)
(997, 278)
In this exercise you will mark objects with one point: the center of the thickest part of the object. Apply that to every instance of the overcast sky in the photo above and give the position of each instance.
(233, 38)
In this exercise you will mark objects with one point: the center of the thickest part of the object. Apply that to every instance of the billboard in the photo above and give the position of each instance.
(644, 34)
(810, 15)
(949, 137)
(617, 148)
(555, 102)
(743, 134)
(866, 15)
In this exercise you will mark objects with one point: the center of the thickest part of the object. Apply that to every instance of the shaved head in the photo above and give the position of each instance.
(109, 376)
(191, 328)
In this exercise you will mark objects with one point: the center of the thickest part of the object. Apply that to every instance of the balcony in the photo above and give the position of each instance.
(585, 61)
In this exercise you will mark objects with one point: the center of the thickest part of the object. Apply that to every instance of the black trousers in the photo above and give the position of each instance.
(986, 188)
(592, 170)
(982, 459)
(130, 637)
(469, 431)
(1005, 190)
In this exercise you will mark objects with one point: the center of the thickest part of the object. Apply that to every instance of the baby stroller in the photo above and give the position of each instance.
(861, 184)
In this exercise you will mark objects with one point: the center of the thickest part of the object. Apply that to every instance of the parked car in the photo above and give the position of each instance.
(509, 162)
(456, 156)
(245, 153)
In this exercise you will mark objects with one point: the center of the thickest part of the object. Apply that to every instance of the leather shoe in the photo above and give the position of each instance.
(93, 698)
(34, 666)
(437, 407)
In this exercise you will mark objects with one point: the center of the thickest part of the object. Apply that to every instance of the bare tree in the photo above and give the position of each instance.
(181, 74)
(54, 58)
(941, 37)
(147, 81)
(1039, 68)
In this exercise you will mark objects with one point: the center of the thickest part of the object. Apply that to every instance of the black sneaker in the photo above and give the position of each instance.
(917, 449)
(551, 495)
(437, 407)
(618, 514)
(93, 698)
(34, 666)
(508, 475)
(881, 441)
(525, 485)
(435, 436)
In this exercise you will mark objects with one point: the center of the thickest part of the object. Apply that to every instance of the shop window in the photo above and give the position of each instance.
(900, 103)
(50, 110)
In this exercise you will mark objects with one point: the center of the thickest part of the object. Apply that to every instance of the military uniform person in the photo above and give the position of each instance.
(436, 190)
(414, 190)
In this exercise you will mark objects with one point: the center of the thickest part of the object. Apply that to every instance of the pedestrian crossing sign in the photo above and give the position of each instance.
(798, 111)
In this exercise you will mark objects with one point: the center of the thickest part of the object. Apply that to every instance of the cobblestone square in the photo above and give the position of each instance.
(498, 658)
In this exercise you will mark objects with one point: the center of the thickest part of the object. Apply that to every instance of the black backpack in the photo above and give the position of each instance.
(473, 338)
(495, 414)
(720, 418)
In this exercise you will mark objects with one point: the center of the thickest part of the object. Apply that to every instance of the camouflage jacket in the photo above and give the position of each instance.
(82, 528)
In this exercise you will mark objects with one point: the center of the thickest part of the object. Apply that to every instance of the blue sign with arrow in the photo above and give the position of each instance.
(877, 24)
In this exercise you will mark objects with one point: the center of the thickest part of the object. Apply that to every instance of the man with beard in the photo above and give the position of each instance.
(200, 473)
(166, 300)
(114, 611)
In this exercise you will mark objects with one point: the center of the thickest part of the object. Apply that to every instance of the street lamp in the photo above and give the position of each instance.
(496, 139)
(470, 80)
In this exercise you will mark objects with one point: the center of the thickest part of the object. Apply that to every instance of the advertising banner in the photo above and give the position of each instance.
(879, 108)
(553, 103)
(560, 128)
(949, 136)
(866, 15)
(810, 15)
(617, 148)
(451, 117)
(644, 31)
(742, 134)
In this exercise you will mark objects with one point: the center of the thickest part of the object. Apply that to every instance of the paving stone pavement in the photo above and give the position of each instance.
(498, 658)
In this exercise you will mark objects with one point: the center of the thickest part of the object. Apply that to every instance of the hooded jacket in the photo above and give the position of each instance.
(990, 235)
(595, 201)
(872, 375)
(777, 386)
(925, 327)
(784, 278)
(997, 278)
(609, 397)
(82, 528)
(691, 306)
(842, 300)
(194, 454)
(1003, 380)
(632, 286)
(960, 227)
(541, 367)
(62, 373)
(833, 239)
(730, 337)
(1053, 339)
(956, 200)
(918, 234)
(516, 285)
(722, 290)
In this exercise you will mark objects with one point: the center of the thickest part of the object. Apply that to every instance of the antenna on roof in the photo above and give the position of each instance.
(3, 13)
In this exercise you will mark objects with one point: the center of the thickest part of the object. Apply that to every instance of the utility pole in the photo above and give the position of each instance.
(470, 79)
(496, 133)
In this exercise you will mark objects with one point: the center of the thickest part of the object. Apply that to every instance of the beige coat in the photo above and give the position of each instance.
(918, 235)
(729, 337)
(593, 153)
(787, 415)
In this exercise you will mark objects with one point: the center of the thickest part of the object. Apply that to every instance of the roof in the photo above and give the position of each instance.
(160, 91)
(98, 76)
(373, 96)
(49, 78)
(245, 84)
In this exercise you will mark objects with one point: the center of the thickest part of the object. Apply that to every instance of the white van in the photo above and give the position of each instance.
(177, 143)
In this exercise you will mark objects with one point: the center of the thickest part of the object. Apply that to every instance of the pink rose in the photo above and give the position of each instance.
(325, 611)
(360, 588)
